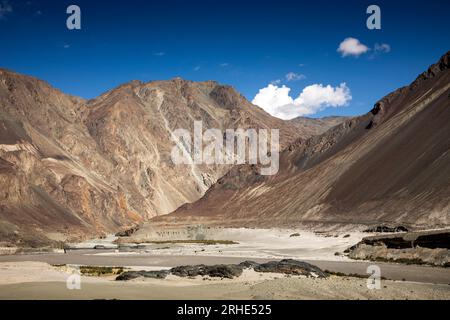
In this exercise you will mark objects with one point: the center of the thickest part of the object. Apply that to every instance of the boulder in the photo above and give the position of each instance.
(248, 264)
(221, 271)
(290, 266)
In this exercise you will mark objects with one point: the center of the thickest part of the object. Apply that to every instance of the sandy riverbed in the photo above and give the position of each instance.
(251, 243)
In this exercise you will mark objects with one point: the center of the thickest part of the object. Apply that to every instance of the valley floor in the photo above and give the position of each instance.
(38, 280)
(44, 275)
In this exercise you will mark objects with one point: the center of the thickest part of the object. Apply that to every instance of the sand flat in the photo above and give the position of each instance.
(256, 243)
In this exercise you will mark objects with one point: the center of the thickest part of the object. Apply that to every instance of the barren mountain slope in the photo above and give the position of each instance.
(308, 127)
(71, 168)
(390, 165)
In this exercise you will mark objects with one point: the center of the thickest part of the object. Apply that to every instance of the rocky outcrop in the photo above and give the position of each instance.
(386, 229)
(216, 271)
(130, 275)
(248, 264)
(292, 267)
(417, 255)
(426, 247)
(229, 271)
(425, 239)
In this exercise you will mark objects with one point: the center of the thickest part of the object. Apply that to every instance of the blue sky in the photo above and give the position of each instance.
(247, 44)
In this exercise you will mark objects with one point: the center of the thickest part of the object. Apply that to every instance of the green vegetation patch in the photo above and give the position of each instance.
(350, 275)
(100, 271)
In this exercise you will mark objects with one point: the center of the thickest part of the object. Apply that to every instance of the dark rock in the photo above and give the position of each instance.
(99, 246)
(381, 229)
(434, 241)
(350, 249)
(229, 271)
(129, 275)
(127, 233)
(248, 264)
(186, 271)
(290, 266)
(224, 271)
(221, 271)
(425, 239)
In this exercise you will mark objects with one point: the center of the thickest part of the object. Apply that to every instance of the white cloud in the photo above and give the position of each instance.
(383, 48)
(159, 54)
(314, 98)
(292, 76)
(275, 82)
(197, 68)
(66, 46)
(352, 47)
(379, 49)
(225, 64)
(5, 9)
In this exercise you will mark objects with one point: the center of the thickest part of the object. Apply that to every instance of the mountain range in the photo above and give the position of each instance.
(72, 168)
